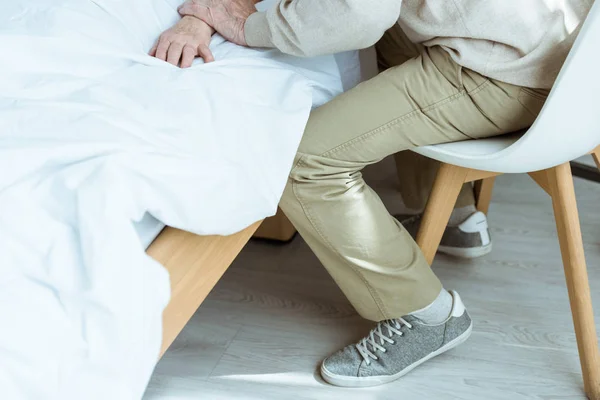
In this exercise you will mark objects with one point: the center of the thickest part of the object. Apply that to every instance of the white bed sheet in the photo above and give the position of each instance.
(94, 134)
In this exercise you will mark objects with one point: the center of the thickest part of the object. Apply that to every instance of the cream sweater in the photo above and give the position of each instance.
(523, 42)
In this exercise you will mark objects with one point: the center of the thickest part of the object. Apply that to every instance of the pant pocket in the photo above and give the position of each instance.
(533, 99)
(441, 59)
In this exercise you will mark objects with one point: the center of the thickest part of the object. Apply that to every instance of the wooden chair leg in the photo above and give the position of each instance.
(571, 245)
(483, 193)
(277, 227)
(446, 187)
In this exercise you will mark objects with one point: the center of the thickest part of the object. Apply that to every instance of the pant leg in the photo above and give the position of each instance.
(426, 100)
(415, 172)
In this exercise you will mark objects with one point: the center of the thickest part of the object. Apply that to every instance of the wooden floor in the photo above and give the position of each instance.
(263, 330)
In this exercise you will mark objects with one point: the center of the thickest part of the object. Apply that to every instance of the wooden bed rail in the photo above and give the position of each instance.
(195, 264)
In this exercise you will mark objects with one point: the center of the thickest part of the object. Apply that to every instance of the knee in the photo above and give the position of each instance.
(312, 169)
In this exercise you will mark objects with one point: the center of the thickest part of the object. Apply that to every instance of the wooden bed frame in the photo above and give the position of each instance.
(196, 263)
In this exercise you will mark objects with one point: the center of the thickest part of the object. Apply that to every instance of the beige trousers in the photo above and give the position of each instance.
(428, 99)
(416, 173)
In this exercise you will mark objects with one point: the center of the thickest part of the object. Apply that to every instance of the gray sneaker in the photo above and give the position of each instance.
(470, 239)
(395, 347)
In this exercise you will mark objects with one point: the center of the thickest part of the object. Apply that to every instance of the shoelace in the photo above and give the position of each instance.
(377, 338)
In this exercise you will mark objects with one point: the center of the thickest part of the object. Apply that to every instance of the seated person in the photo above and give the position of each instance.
(454, 70)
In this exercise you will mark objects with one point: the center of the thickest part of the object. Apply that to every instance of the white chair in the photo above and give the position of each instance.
(567, 128)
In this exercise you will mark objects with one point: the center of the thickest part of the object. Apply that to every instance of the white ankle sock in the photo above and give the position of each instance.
(438, 311)
(459, 215)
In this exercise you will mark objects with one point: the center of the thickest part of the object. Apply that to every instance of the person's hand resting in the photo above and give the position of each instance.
(227, 17)
(188, 39)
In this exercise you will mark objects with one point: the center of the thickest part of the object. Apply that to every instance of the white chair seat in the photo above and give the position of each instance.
(475, 154)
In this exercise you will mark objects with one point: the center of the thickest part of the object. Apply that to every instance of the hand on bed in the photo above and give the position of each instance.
(188, 39)
(226, 16)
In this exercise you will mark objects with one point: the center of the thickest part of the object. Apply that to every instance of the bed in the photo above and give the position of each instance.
(98, 143)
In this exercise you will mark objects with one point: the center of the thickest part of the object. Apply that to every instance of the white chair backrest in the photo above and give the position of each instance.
(569, 124)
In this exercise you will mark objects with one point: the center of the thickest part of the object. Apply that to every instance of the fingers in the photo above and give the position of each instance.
(205, 53)
(152, 51)
(162, 48)
(174, 53)
(189, 53)
(184, 41)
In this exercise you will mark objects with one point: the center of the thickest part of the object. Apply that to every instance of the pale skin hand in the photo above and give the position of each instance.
(227, 17)
(188, 39)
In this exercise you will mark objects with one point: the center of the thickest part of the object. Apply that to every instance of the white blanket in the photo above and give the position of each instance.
(93, 134)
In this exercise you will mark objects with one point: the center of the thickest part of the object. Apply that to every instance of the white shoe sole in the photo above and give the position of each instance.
(366, 381)
(466, 252)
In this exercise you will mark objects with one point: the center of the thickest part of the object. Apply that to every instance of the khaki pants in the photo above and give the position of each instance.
(428, 99)
(416, 173)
